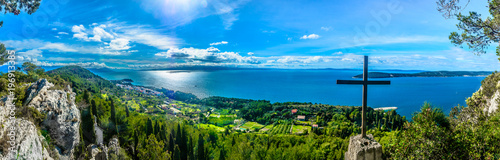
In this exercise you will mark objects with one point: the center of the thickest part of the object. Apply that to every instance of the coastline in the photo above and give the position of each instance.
(386, 108)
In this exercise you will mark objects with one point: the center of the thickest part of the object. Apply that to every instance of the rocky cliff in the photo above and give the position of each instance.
(62, 116)
(28, 141)
(487, 97)
(62, 122)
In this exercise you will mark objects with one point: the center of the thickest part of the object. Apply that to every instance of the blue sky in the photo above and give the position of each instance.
(156, 34)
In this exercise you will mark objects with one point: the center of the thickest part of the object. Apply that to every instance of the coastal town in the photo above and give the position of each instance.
(299, 119)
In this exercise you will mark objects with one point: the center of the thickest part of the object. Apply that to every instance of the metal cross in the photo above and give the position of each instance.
(365, 84)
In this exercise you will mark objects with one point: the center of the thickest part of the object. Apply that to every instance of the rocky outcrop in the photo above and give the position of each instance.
(62, 116)
(492, 103)
(363, 148)
(103, 152)
(28, 142)
(486, 98)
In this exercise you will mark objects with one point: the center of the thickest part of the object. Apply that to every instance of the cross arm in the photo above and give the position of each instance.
(363, 82)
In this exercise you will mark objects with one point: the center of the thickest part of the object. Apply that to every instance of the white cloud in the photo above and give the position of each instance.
(250, 53)
(179, 12)
(146, 35)
(117, 36)
(58, 47)
(326, 28)
(81, 36)
(210, 55)
(79, 32)
(218, 43)
(81, 64)
(119, 44)
(77, 29)
(54, 29)
(31, 53)
(63, 33)
(311, 36)
(38, 44)
(99, 33)
(302, 59)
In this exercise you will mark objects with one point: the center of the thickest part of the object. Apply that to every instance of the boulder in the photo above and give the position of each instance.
(62, 116)
(29, 143)
(363, 148)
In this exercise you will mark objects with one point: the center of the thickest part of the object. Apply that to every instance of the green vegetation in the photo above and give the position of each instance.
(252, 126)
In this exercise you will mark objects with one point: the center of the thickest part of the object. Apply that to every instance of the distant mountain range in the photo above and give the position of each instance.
(427, 74)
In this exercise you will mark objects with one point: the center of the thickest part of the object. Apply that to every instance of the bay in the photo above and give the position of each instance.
(315, 86)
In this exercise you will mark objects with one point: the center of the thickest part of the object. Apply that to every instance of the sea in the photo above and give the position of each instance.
(408, 94)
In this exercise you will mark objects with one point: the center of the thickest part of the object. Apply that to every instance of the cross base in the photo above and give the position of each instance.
(363, 148)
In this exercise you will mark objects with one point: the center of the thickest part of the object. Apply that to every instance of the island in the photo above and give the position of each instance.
(427, 74)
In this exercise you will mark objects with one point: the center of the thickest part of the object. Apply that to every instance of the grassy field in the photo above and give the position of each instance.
(252, 126)
(266, 128)
(297, 129)
(222, 121)
(207, 126)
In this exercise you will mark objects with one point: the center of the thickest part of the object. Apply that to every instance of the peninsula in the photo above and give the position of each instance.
(427, 74)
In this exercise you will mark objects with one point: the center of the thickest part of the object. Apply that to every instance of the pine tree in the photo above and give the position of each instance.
(222, 154)
(190, 148)
(149, 127)
(113, 112)
(127, 111)
(86, 96)
(171, 142)
(177, 153)
(201, 148)
(94, 110)
(183, 145)
(157, 128)
(178, 137)
(136, 143)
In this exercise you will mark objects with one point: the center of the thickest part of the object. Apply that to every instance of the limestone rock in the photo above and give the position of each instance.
(363, 148)
(103, 152)
(114, 146)
(63, 117)
(28, 141)
(492, 104)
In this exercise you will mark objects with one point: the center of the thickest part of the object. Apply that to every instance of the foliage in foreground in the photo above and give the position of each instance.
(431, 136)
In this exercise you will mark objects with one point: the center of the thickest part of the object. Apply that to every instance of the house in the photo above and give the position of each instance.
(315, 126)
(301, 118)
(294, 111)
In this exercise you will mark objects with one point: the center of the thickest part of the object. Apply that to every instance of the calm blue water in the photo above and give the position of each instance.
(316, 86)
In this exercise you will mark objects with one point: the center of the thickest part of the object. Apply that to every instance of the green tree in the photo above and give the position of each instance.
(113, 112)
(222, 154)
(171, 141)
(428, 137)
(3, 54)
(153, 150)
(127, 111)
(201, 148)
(476, 32)
(86, 96)
(136, 143)
(16, 6)
(177, 153)
(149, 127)
(94, 110)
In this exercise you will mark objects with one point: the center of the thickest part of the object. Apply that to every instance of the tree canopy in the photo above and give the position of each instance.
(16, 6)
(474, 31)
